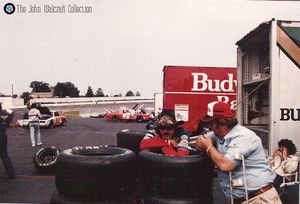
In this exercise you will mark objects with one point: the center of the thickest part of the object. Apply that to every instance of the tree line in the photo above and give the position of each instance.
(68, 89)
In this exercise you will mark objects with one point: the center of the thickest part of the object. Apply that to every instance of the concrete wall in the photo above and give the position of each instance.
(8, 102)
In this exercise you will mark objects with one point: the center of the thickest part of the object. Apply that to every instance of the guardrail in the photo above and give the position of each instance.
(89, 100)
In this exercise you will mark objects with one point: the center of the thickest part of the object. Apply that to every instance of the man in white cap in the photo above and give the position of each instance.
(232, 139)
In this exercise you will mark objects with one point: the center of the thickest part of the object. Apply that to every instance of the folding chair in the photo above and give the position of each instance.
(238, 182)
(287, 181)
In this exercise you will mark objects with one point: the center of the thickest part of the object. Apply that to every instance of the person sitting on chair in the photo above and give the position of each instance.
(283, 161)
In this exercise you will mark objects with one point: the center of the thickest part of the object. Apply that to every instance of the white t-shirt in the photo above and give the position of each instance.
(34, 115)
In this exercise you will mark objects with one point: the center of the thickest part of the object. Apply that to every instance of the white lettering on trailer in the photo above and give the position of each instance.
(202, 83)
(225, 99)
(199, 93)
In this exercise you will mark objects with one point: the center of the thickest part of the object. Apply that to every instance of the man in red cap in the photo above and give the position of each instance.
(225, 145)
(167, 137)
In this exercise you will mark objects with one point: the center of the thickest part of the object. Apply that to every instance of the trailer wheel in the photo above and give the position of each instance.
(130, 139)
(96, 173)
(45, 158)
(177, 177)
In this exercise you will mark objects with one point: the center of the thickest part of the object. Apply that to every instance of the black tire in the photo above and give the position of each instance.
(63, 123)
(96, 173)
(114, 118)
(57, 198)
(130, 139)
(51, 124)
(45, 159)
(140, 119)
(173, 201)
(169, 177)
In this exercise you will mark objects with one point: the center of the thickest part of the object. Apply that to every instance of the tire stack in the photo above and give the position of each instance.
(168, 179)
(130, 139)
(95, 174)
(171, 180)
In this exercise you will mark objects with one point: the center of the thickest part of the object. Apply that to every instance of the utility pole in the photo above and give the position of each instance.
(12, 90)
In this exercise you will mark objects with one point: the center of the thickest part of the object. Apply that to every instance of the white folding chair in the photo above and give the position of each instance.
(290, 179)
(288, 188)
(287, 182)
(239, 182)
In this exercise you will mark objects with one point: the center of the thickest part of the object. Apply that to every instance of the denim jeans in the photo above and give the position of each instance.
(35, 133)
(9, 168)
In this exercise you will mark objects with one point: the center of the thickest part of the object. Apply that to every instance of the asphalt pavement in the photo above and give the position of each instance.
(31, 186)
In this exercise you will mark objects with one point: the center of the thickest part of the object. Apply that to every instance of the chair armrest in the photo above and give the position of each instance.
(286, 175)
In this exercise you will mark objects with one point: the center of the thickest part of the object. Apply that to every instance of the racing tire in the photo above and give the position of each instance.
(114, 118)
(62, 123)
(45, 159)
(96, 173)
(140, 119)
(173, 177)
(173, 201)
(130, 139)
(58, 198)
(51, 124)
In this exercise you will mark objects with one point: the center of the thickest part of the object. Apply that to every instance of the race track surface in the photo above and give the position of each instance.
(30, 186)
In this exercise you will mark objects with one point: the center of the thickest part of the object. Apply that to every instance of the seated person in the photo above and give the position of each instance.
(283, 160)
(166, 136)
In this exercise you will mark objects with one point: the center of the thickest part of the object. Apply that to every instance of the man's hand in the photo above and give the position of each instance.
(203, 143)
(173, 143)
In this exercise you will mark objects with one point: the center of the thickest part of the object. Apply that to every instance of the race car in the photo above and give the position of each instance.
(98, 115)
(125, 114)
(48, 120)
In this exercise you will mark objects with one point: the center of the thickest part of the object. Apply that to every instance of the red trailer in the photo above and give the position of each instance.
(187, 90)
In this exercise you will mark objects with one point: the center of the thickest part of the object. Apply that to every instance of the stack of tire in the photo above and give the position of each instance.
(167, 179)
(99, 174)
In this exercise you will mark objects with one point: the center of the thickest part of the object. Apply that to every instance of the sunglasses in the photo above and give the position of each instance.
(166, 128)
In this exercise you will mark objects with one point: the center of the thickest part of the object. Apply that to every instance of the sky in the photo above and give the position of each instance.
(123, 45)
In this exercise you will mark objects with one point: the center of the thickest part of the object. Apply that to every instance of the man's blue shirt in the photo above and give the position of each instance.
(241, 140)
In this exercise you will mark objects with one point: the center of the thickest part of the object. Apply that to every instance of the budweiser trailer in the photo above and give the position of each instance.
(268, 62)
(187, 90)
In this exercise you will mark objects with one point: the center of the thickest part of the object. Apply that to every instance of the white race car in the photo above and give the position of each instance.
(56, 118)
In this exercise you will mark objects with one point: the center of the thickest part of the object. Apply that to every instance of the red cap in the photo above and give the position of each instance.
(218, 109)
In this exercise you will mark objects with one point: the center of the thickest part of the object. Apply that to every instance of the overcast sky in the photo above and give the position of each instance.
(124, 44)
